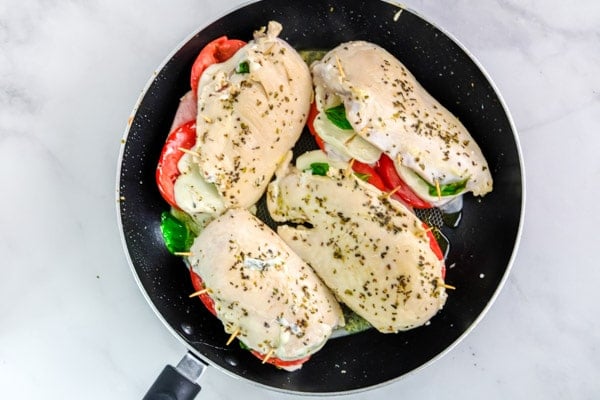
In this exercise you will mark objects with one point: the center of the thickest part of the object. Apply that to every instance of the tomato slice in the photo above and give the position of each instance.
(312, 114)
(373, 178)
(435, 247)
(433, 244)
(279, 362)
(167, 171)
(219, 50)
(387, 171)
(205, 298)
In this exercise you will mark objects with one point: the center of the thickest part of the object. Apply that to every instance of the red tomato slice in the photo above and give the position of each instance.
(387, 171)
(217, 51)
(374, 179)
(312, 114)
(435, 247)
(167, 171)
(205, 298)
(279, 362)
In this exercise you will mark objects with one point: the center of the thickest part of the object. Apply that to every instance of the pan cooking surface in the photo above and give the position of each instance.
(481, 246)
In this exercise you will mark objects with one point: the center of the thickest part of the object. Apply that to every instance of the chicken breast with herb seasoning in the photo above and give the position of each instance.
(384, 109)
(262, 289)
(251, 111)
(370, 250)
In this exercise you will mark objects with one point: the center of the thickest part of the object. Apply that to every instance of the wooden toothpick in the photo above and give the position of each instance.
(268, 356)
(339, 66)
(233, 336)
(438, 189)
(198, 293)
(348, 171)
(188, 151)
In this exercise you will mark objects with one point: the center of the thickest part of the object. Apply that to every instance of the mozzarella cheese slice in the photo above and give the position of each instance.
(262, 289)
(371, 251)
(194, 195)
(389, 109)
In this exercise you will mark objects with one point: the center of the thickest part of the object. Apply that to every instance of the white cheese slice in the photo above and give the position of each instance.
(193, 194)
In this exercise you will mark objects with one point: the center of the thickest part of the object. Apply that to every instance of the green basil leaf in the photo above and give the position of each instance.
(243, 68)
(319, 168)
(449, 189)
(176, 234)
(337, 116)
(243, 345)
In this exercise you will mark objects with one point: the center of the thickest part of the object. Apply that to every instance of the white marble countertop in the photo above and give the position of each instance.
(73, 323)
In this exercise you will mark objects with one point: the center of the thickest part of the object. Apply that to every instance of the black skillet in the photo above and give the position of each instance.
(482, 246)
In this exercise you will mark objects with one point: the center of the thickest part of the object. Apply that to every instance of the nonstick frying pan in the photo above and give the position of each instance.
(481, 247)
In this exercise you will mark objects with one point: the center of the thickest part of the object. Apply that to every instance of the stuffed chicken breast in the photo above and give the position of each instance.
(370, 250)
(369, 104)
(251, 109)
(262, 291)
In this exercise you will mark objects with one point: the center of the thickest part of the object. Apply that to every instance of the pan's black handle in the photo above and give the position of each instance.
(178, 383)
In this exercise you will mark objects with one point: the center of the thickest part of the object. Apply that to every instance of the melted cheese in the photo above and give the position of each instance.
(372, 252)
(388, 108)
(193, 194)
(262, 289)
